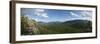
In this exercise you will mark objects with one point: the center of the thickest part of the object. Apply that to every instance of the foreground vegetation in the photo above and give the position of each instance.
(31, 27)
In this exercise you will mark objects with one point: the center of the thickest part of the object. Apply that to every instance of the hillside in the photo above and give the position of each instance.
(31, 27)
(74, 26)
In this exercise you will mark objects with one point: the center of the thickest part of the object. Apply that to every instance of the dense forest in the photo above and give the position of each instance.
(32, 27)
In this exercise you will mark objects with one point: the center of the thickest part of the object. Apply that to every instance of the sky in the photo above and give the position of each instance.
(53, 15)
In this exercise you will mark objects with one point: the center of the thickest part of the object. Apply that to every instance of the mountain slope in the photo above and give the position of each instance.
(74, 26)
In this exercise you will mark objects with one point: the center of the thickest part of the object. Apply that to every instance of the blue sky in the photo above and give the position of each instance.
(52, 15)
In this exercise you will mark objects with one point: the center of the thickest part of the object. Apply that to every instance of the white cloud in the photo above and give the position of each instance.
(73, 14)
(35, 19)
(27, 16)
(45, 15)
(85, 15)
(37, 13)
(41, 12)
(87, 18)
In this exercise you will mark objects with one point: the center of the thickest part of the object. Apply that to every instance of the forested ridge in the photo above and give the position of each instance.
(32, 27)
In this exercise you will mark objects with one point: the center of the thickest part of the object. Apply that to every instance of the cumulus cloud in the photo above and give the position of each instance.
(41, 12)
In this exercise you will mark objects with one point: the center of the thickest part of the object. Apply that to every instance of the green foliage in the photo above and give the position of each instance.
(77, 26)
(80, 26)
(24, 24)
